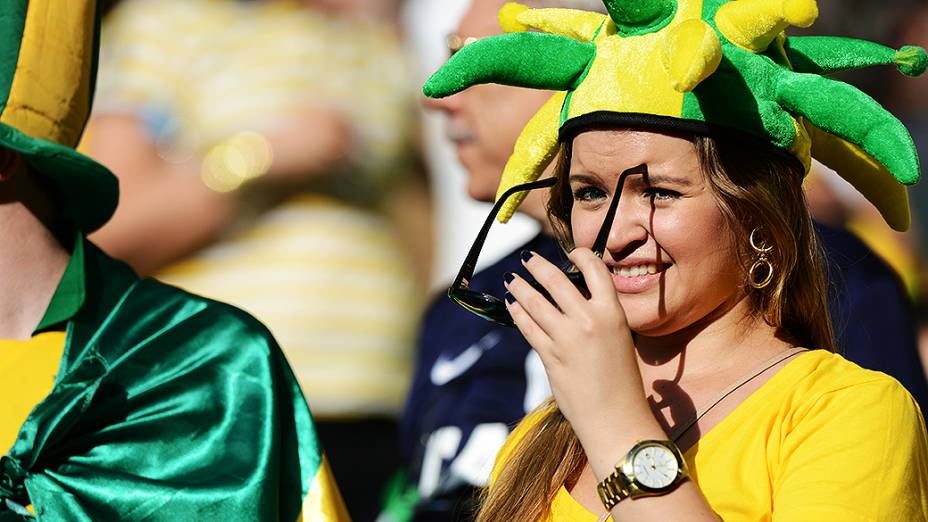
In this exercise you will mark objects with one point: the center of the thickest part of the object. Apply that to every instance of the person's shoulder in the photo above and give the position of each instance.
(831, 371)
(204, 305)
(820, 381)
(192, 315)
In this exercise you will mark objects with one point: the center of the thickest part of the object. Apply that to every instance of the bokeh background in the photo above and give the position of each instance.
(275, 154)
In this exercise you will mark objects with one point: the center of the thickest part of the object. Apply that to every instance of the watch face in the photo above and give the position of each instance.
(655, 467)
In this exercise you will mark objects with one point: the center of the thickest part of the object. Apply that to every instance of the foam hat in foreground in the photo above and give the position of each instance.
(48, 57)
(697, 66)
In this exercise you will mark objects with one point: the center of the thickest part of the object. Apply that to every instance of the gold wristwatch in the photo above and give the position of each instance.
(650, 468)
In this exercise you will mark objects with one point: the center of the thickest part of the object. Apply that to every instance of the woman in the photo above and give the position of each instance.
(695, 380)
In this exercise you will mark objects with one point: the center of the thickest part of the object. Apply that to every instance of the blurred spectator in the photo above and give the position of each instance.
(456, 217)
(258, 143)
(474, 379)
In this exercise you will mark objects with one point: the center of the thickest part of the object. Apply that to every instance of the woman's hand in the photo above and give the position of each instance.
(589, 355)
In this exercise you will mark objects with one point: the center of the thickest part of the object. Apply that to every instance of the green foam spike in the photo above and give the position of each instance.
(640, 16)
(535, 60)
(845, 111)
(831, 54)
(911, 60)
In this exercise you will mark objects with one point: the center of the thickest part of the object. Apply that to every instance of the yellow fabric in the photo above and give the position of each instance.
(323, 503)
(508, 17)
(572, 23)
(50, 95)
(754, 24)
(27, 375)
(692, 52)
(822, 440)
(536, 146)
(867, 175)
(643, 85)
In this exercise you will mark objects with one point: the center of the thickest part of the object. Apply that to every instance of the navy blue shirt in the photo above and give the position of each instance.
(474, 380)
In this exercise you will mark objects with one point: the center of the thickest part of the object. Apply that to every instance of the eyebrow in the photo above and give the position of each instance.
(652, 179)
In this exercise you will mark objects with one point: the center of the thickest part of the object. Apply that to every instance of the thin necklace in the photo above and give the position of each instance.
(759, 369)
(764, 366)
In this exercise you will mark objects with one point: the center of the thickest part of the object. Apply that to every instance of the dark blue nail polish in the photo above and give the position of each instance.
(509, 298)
(509, 277)
(526, 255)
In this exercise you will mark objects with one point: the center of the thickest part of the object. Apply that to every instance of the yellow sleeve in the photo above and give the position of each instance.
(858, 453)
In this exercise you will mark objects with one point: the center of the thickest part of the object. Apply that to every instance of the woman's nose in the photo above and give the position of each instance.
(629, 228)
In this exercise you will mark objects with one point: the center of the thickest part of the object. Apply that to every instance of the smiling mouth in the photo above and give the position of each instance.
(643, 269)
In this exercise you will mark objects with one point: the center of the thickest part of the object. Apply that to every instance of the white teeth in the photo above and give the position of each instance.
(635, 271)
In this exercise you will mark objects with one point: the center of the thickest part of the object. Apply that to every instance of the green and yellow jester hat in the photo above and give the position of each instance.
(48, 56)
(694, 65)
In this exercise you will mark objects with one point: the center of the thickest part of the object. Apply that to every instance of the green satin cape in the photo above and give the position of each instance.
(167, 406)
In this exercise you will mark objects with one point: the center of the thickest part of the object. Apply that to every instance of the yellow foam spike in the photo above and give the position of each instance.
(572, 23)
(754, 24)
(534, 150)
(867, 175)
(691, 53)
(508, 17)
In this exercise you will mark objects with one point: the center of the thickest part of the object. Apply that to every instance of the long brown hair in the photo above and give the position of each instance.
(756, 186)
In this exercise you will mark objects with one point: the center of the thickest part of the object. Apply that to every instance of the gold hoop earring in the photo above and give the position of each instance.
(762, 262)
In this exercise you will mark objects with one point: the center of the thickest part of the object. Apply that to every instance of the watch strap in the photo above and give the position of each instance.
(613, 489)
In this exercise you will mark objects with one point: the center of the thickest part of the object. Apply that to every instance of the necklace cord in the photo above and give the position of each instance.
(766, 365)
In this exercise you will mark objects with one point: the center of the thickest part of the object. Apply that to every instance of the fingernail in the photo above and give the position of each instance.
(508, 277)
(509, 299)
(526, 255)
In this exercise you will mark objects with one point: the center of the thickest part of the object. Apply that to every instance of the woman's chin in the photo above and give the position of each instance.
(649, 325)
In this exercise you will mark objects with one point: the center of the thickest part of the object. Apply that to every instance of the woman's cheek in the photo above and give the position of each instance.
(584, 228)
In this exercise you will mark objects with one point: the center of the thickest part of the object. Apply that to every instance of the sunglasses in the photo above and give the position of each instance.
(492, 308)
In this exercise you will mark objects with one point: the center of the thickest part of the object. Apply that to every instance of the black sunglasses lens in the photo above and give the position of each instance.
(483, 305)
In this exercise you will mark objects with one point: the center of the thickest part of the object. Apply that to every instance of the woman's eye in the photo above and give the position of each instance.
(588, 194)
(659, 194)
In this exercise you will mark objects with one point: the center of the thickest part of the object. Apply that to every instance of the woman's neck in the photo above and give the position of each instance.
(727, 341)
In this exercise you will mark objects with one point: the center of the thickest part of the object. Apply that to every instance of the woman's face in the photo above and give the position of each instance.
(669, 247)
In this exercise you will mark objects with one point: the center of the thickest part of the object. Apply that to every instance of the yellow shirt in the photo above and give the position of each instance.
(822, 440)
(27, 375)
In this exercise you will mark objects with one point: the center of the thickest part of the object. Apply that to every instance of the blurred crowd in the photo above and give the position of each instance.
(276, 155)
